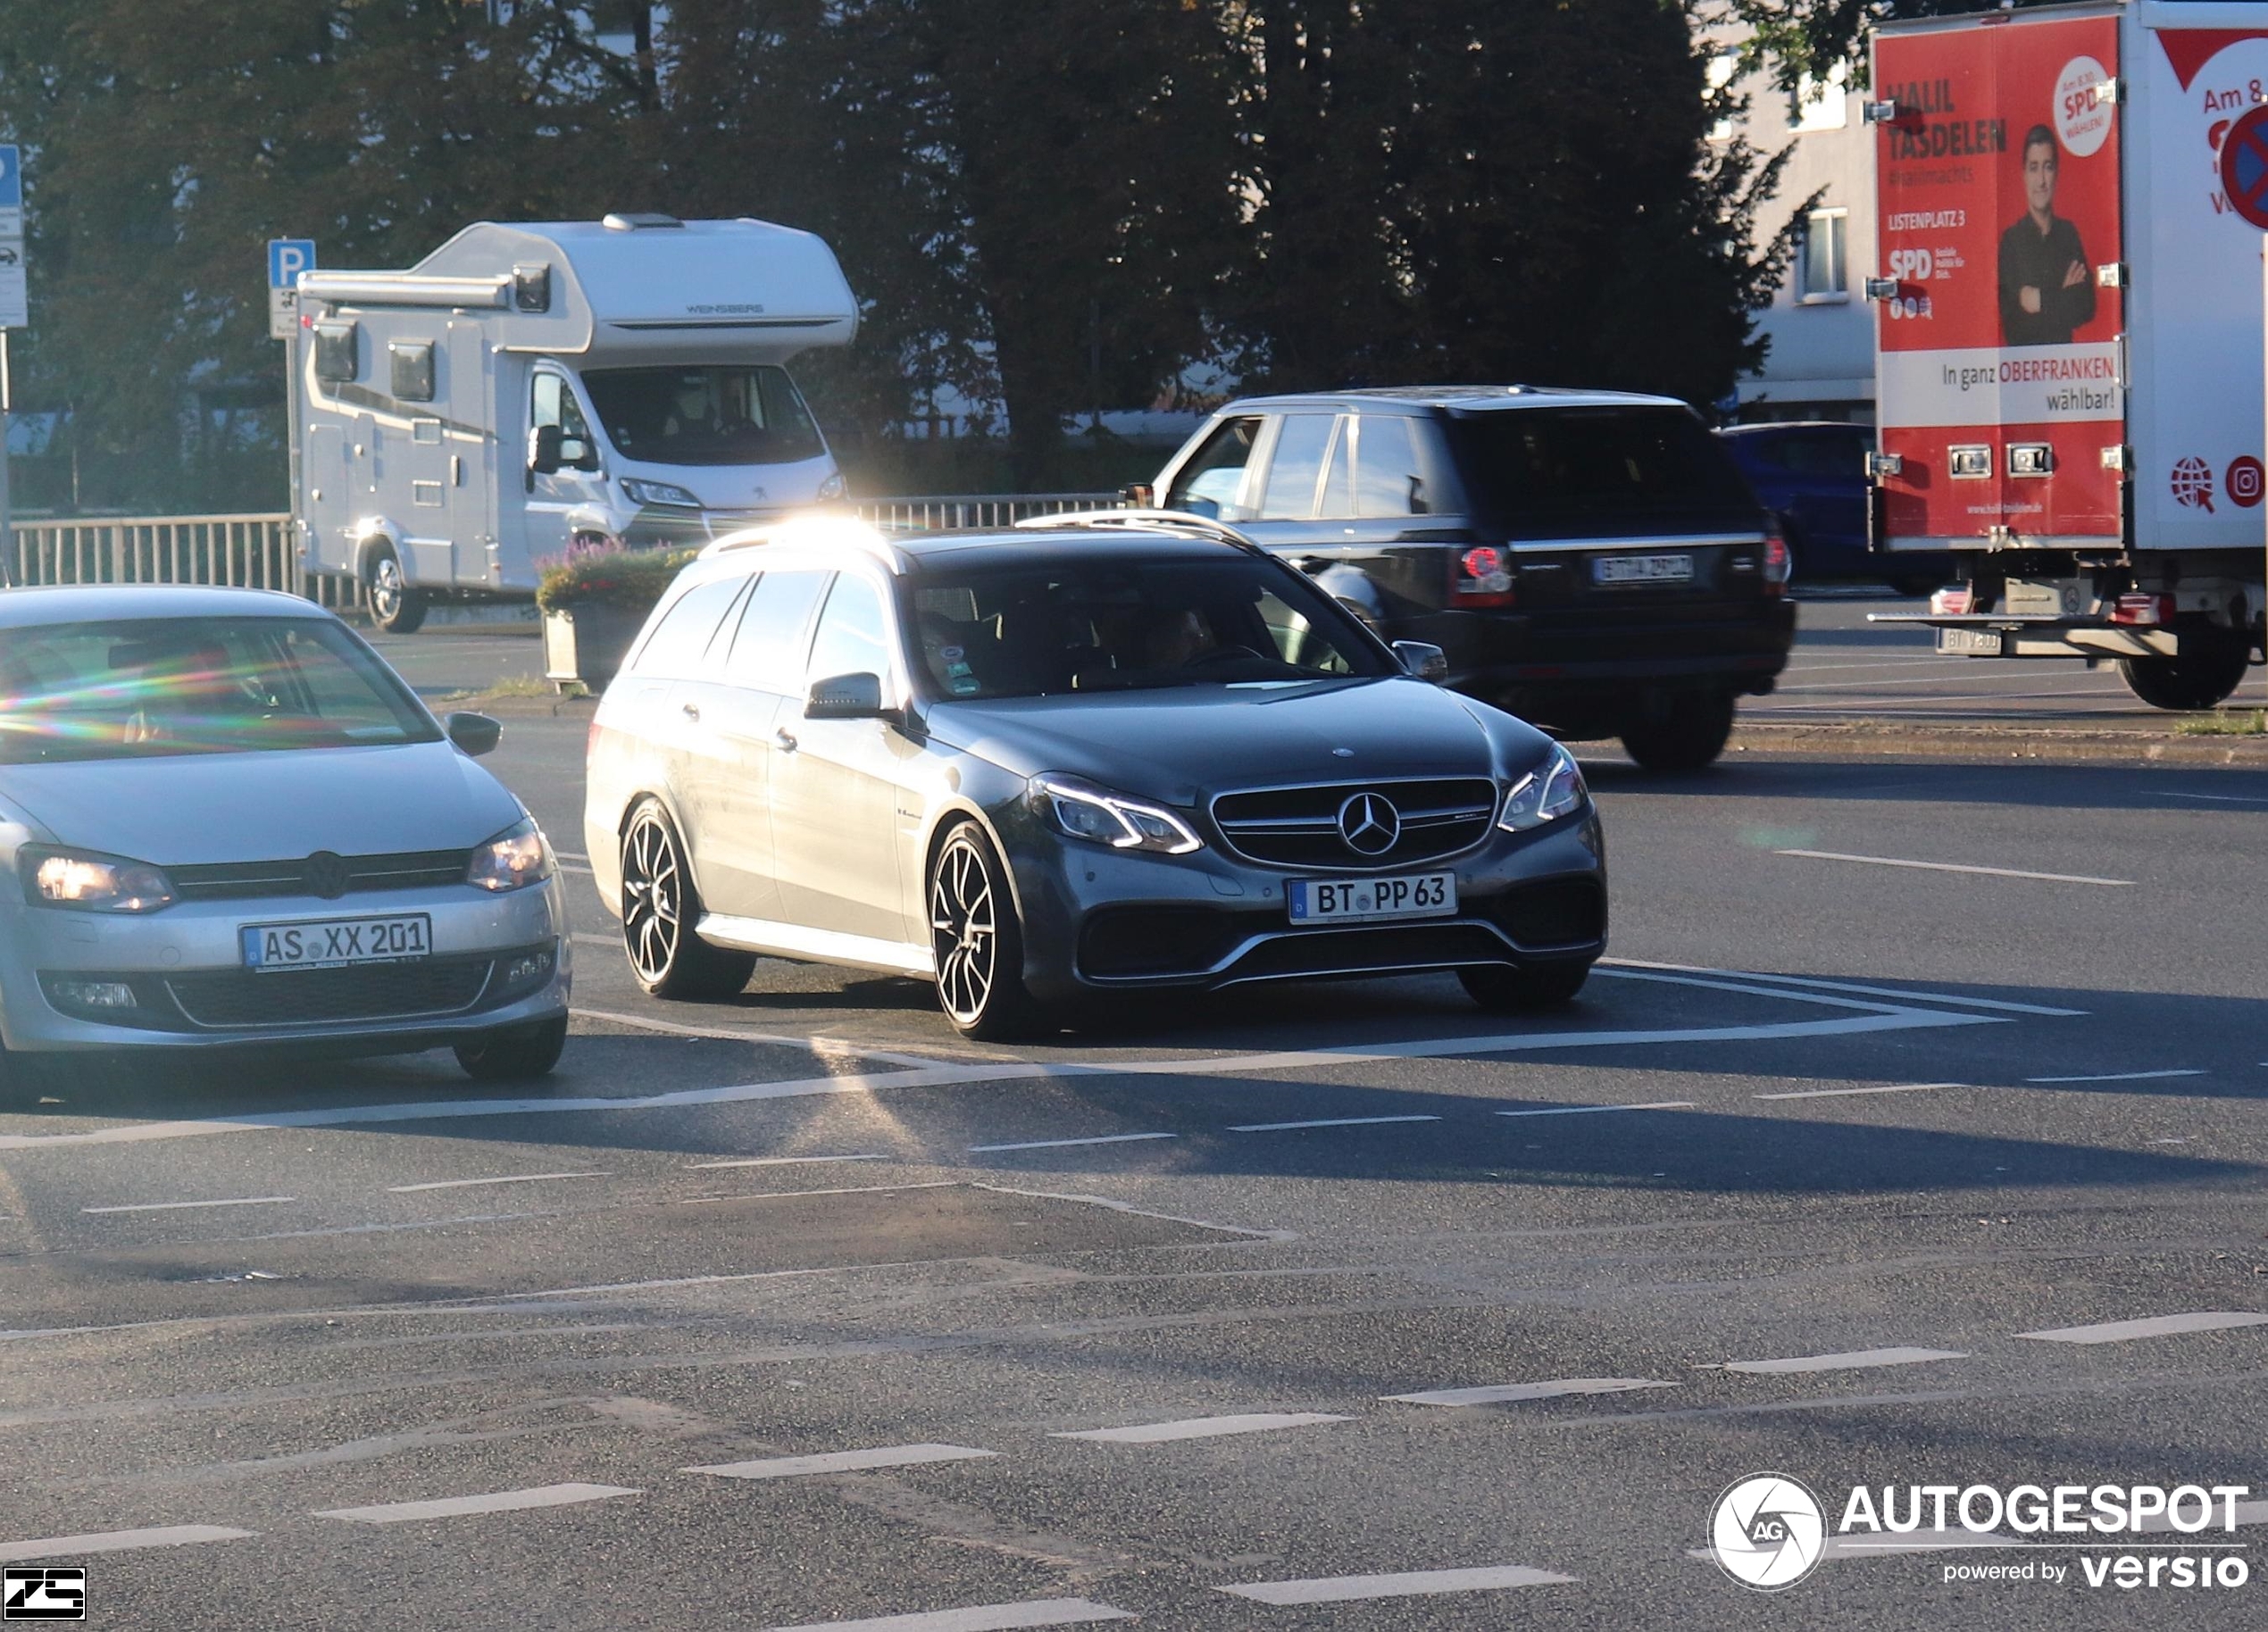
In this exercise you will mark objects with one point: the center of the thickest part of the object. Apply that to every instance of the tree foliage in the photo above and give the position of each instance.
(1052, 205)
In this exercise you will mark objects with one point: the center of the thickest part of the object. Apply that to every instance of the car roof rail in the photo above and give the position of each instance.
(816, 529)
(1150, 521)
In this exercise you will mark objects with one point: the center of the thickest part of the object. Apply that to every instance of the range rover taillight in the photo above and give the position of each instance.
(1482, 576)
(1778, 565)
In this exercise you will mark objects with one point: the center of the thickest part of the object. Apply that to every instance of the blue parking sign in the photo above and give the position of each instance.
(287, 258)
(11, 177)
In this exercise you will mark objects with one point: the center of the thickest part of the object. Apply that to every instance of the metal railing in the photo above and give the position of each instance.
(260, 552)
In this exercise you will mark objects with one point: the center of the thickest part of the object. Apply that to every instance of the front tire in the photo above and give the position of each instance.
(2199, 679)
(1525, 991)
(660, 907)
(396, 608)
(1685, 732)
(978, 940)
(514, 1054)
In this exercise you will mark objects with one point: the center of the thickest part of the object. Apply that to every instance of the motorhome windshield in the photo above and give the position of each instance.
(710, 414)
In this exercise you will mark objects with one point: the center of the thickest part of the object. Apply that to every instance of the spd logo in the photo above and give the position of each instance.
(30, 1593)
(1767, 1531)
(1911, 265)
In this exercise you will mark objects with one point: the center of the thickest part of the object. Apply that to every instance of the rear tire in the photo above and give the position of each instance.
(396, 608)
(1685, 732)
(2198, 678)
(514, 1054)
(660, 907)
(1525, 991)
(978, 941)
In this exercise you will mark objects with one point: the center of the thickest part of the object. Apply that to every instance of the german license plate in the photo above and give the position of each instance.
(1971, 642)
(1419, 894)
(337, 942)
(1642, 569)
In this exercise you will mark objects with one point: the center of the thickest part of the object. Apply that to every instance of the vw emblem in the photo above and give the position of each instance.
(325, 875)
(1369, 824)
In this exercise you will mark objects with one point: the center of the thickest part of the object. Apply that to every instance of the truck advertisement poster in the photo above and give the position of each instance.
(1999, 375)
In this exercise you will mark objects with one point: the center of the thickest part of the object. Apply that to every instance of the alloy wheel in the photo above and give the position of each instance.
(652, 897)
(386, 589)
(965, 929)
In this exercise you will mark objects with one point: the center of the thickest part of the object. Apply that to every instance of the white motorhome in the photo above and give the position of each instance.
(529, 387)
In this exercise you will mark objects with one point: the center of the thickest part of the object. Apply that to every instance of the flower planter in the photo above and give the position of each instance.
(587, 643)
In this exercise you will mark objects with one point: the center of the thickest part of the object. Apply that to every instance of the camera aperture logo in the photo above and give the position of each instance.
(1768, 1531)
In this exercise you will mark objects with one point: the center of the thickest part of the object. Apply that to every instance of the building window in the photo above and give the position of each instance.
(1820, 261)
(1723, 66)
(1824, 106)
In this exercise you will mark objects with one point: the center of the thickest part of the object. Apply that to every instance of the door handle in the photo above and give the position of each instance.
(785, 738)
(691, 710)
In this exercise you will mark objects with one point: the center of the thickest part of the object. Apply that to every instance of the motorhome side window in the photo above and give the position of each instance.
(336, 345)
(554, 405)
(710, 414)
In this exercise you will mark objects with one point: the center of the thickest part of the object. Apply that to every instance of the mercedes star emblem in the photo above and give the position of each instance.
(1369, 824)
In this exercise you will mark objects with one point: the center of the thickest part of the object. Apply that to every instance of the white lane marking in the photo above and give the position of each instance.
(566, 866)
(1327, 1121)
(1664, 1104)
(1958, 1000)
(785, 1162)
(1202, 1427)
(568, 855)
(1990, 872)
(507, 1179)
(1899, 1088)
(241, 1201)
(841, 1461)
(1107, 1138)
(1139, 1212)
(2214, 798)
(500, 1501)
(1504, 1393)
(1415, 1583)
(119, 1541)
(981, 1618)
(734, 1034)
(2156, 1326)
(2119, 1076)
(1856, 1360)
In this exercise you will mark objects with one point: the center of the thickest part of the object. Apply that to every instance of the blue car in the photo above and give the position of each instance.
(1813, 476)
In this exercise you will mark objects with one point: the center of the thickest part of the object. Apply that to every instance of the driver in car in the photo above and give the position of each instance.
(181, 689)
(1175, 638)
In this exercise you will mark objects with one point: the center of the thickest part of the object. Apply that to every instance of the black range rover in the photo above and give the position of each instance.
(1591, 560)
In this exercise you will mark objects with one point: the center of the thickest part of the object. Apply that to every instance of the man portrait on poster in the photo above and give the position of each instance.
(2046, 291)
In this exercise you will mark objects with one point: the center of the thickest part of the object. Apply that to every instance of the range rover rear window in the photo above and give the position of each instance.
(1559, 471)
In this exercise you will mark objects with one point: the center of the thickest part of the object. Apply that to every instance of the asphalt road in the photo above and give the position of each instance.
(796, 1312)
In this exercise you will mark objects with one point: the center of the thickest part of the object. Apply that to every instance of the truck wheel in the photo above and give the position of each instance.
(394, 607)
(1685, 732)
(2202, 677)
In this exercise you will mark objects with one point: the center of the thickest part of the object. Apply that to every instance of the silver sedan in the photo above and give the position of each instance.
(230, 823)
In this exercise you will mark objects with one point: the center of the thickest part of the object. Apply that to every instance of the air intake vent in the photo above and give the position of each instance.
(639, 221)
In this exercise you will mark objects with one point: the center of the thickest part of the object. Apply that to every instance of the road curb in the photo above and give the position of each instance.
(1986, 744)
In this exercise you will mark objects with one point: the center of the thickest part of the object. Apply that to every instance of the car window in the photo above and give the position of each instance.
(553, 403)
(1585, 471)
(1209, 483)
(148, 688)
(1833, 455)
(768, 648)
(675, 648)
(1300, 448)
(854, 634)
(707, 413)
(1338, 480)
(1391, 482)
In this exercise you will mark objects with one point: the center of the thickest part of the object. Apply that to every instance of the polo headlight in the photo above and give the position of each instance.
(1553, 790)
(85, 881)
(639, 492)
(514, 858)
(1082, 810)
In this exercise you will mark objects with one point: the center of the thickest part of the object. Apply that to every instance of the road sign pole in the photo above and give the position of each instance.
(7, 532)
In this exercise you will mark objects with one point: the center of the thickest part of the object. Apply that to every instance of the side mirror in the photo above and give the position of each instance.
(1428, 662)
(846, 696)
(1140, 496)
(544, 449)
(476, 734)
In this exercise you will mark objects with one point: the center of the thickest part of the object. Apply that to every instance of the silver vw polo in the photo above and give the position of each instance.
(1043, 765)
(226, 821)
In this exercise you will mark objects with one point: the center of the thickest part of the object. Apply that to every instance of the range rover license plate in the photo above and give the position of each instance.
(1419, 895)
(337, 942)
(1970, 643)
(1642, 569)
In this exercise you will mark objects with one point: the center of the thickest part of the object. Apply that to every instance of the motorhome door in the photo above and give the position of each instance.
(556, 498)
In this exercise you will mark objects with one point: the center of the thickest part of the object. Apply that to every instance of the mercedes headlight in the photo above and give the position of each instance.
(639, 492)
(514, 858)
(88, 882)
(1082, 810)
(1553, 790)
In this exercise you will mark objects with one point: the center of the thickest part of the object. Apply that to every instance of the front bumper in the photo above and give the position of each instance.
(1101, 920)
(496, 961)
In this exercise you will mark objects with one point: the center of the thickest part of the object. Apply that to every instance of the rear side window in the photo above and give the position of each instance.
(1563, 472)
(1301, 448)
(768, 648)
(1208, 484)
(675, 649)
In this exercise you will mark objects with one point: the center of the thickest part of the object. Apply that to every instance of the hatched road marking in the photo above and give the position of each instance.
(508, 1178)
(1990, 872)
(1901, 1088)
(842, 1461)
(2156, 1326)
(499, 1501)
(1202, 1427)
(1666, 1104)
(1504, 1393)
(241, 1201)
(1107, 1138)
(1856, 1361)
(119, 1541)
(982, 1617)
(1416, 1584)
(1328, 1121)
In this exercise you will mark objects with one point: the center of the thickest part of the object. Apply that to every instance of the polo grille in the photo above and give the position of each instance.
(254, 881)
(1298, 827)
(366, 992)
